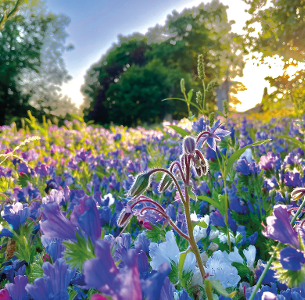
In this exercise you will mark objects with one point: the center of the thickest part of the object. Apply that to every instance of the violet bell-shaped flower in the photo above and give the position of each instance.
(121, 284)
(279, 228)
(55, 224)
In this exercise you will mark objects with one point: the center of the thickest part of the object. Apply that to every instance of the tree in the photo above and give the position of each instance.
(31, 65)
(282, 33)
(175, 46)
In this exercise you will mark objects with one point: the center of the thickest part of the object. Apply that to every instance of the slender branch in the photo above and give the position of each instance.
(174, 179)
(147, 200)
(179, 168)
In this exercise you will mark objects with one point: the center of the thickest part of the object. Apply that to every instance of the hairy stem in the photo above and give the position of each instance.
(191, 235)
(174, 179)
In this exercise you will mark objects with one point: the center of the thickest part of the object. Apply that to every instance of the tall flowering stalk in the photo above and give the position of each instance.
(191, 158)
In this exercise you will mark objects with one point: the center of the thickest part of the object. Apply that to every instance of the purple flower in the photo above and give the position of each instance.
(269, 161)
(122, 284)
(17, 290)
(243, 166)
(15, 214)
(55, 282)
(51, 184)
(292, 179)
(86, 216)
(142, 242)
(53, 246)
(279, 228)
(199, 125)
(56, 225)
(217, 219)
(151, 287)
(252, 238)
(23, 168)
(4, 295)
(291, 258)
(211, 135)
(101, 273)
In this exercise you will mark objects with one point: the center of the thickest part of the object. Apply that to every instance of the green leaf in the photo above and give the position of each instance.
(179, 130)
(239, 152)
(220, 289)
(156, 234)
(292, 140)
(211, 201)
(243, 270)
(181, 263)
(260, 174)
(220, 113)
(202, 224)
(189, 96)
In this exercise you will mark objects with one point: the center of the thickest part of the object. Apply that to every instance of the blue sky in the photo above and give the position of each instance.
(95, 25)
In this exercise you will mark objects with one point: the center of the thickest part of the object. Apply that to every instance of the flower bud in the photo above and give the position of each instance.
(141, 183)
(212, 118)
(125, 216)
(198, 97)
(213, 247)
(189, 145)
(182, 86)
(200, 67)
(165, 183)
(297, 193)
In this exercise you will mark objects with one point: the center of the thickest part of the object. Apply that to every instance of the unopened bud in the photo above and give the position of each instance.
(225, 107)
(200, 67)
(125, 216)
(182, 86)
(212, 118)
(189, 145)
(297, 193)
(198, 97)
(213, 247)
(165, 183)
(140, 185)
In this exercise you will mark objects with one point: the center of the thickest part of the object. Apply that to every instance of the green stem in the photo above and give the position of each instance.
(273, 256)
(224, 176)
(191, 236)
(204, 92)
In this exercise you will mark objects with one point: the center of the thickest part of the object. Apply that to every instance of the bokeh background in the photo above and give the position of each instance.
(114, 61)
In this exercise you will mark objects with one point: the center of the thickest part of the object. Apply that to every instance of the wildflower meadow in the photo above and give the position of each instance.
(199, 209)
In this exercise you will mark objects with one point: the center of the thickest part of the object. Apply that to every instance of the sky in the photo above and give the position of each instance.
(95, 25)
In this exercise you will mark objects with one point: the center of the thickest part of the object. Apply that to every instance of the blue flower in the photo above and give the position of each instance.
(55, 282)
(55, 224)
(279, 227)
(17, 290)
(291, 258)
(211, 135)
(199, 125)
(243, 166)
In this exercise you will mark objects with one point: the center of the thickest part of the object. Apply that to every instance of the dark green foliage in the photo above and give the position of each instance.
(78, 252)
(128, 83)
(26, 80)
